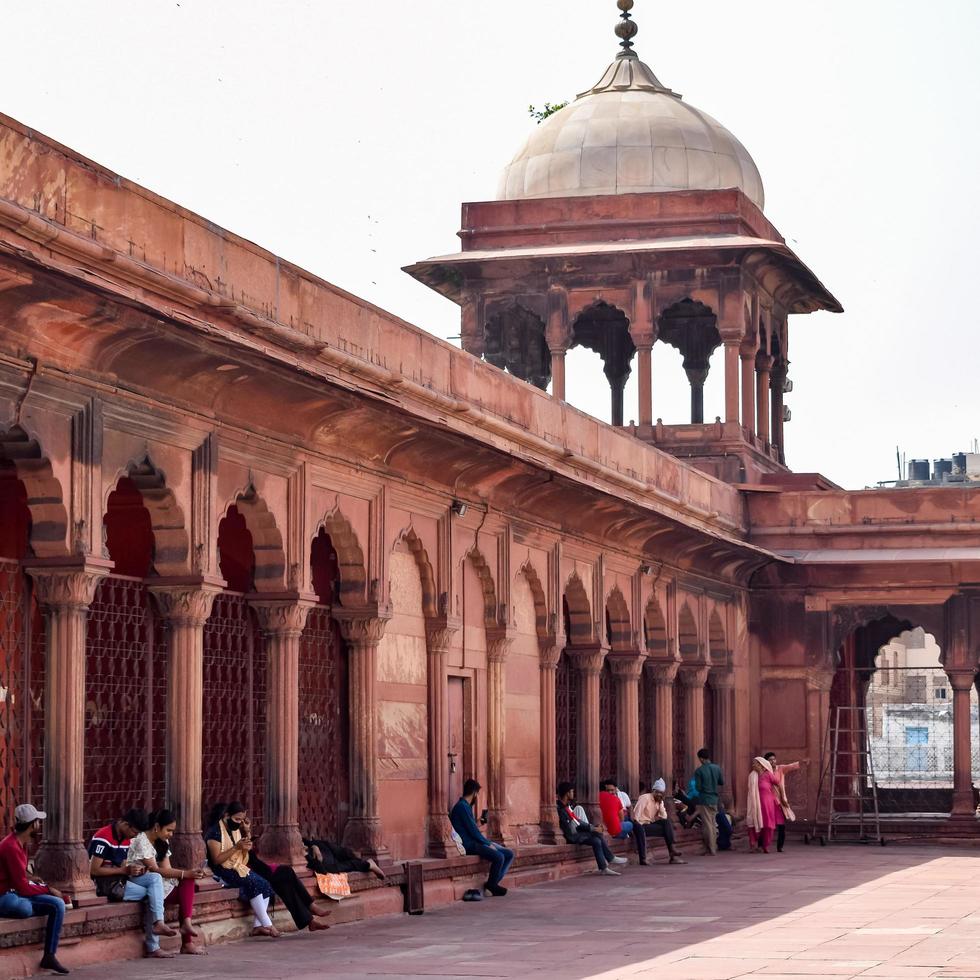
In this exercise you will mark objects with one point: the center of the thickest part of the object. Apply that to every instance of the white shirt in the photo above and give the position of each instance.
(624, 799)
(140, 849)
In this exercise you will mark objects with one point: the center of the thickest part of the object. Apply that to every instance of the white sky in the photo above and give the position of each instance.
(345, 136)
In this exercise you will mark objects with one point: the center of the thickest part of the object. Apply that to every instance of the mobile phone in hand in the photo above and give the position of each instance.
(483, 817)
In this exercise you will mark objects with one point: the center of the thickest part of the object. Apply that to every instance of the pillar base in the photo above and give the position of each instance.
(498, 827)
(188, 849)
(549, 832)
(65, 865)
(440, 843)
(282, 844)
(363, 836)
(963, 804)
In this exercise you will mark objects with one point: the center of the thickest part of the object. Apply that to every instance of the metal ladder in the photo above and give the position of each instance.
(853, 721)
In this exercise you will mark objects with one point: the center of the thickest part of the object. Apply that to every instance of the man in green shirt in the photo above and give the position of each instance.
(707, 780)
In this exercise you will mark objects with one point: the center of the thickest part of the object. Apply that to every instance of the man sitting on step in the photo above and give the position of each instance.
(580, 831)
(464, 823)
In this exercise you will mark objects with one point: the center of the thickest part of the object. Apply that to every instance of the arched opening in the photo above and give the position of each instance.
(514, 341)
(891, 715)
(125, 670)
(235, 679)
(909, 711)
(691, 328)
(21, 656)
(689, 646)
(324, 723)
(604, 330)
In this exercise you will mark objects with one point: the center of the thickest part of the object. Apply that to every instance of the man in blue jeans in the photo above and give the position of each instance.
(22, 896)
(464, 823)
(120, 881)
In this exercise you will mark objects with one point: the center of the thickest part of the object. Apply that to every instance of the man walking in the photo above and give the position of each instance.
(708, 779)
(464, 823)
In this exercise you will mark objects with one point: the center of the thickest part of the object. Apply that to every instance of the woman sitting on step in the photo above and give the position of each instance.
(230, 839)
(151, 849)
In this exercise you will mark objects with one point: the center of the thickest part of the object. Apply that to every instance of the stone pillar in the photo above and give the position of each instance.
(439, 636)
(548, 664)
(362, 629)
(692, 680)
(626, 668)
(588, 664)
(282, 620)
(65, 594)
(748, 391)
(663, 674)
(644, 354)
(498, 646)
(731, 381)
(763, 363)
(722, 685)
(962, 683)
(818, 686)
(558, 373)
(185, 608)
(777, 379)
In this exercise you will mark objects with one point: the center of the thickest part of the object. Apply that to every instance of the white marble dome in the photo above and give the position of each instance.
(629, 134)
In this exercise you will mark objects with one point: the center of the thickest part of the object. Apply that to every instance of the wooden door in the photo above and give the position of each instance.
(457, 735)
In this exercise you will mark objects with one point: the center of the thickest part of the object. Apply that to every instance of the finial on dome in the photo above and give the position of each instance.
(626, 29)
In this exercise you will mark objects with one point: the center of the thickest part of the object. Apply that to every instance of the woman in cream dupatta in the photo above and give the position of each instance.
(761, 803)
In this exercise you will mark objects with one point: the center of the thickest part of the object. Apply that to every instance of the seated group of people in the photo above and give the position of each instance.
(622, 819)
(130, 861)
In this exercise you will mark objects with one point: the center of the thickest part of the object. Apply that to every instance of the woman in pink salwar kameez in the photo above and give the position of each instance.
(762, 800)
(784, 812)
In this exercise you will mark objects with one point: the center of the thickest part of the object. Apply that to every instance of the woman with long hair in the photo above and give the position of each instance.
(305, 912)
(229, 843)
(151, 849)
(760, 806)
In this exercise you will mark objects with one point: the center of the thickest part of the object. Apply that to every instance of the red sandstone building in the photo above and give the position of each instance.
(261, 539)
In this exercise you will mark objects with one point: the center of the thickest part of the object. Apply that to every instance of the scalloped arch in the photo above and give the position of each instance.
(618, 626)
(45, 500)
(270, 558)
(171, 542)
(655, 628)
(486, 584)
(540, 603)
(350, 557)
(578, 628)
(430, 601)
(688, 640)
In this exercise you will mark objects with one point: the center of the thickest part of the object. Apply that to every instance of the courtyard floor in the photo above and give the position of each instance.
(845, 911)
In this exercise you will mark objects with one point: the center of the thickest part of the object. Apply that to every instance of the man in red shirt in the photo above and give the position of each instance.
(614, 817)
(22, 896)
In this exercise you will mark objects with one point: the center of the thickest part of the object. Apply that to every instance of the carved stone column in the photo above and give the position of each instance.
(439, 636)
(626, 668)
(763, 364)
(692, 680)
(748, 390)
(185, 608)
(588, 664)
(498, 647)
(362, 629)
(662, 675)
(282, 620)
(731, 380)
(962, 683)
(644, 354)
(722, 685)
(550, 652)
(558, 373)
(65, 594)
